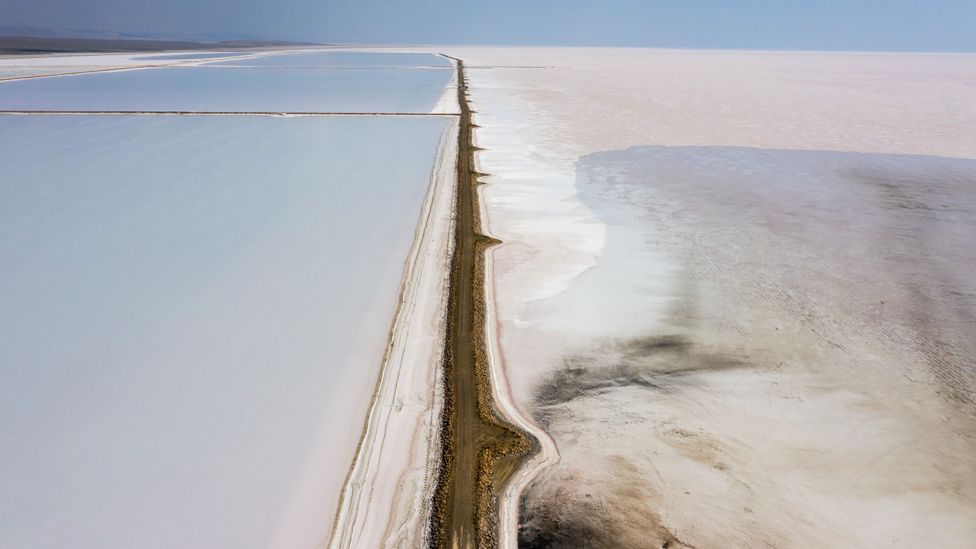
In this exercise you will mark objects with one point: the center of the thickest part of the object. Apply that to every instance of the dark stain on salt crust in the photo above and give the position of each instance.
(559, 510)
(656, 363)
(562, 513)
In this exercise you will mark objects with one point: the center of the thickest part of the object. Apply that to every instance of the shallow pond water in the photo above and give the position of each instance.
(195, 311)
(343, 59)
(229, 89)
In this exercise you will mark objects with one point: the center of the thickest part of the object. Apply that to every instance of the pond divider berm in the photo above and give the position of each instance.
(480, 450)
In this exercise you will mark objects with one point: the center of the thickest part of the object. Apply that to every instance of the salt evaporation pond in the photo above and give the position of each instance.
(226, 89)
(195, 310)
(343, 59)
(23, 72)
(188, 56)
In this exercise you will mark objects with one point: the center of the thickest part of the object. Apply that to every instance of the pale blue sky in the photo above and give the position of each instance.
(907, 25)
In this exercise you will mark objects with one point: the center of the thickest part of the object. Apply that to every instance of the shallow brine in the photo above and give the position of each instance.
(343, 59)
(195, 311)
(231, 89)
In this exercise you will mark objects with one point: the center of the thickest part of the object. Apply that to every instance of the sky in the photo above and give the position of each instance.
(899, 25)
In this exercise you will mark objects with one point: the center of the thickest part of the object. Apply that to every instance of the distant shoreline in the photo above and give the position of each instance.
(34, 45)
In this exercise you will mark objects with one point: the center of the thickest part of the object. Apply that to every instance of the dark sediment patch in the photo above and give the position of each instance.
(569, 508)
(609, 505)
(657, 363)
